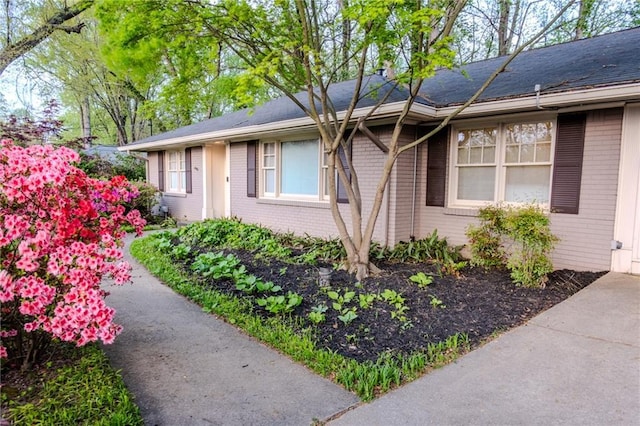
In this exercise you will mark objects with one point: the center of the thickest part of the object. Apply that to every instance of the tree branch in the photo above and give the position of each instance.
(13, 51)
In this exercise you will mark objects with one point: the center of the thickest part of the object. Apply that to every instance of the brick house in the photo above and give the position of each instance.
(560, 127)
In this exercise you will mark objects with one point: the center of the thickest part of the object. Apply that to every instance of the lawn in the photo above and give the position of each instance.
(426, 308)
(69, 386)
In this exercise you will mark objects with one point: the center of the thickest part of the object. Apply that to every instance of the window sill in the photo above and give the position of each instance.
(294, 203)
(174, 194)
(461, 211)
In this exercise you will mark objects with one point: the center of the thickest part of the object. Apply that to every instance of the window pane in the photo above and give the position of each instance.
(269, 181)
(463, 155)
(543, 152)
(476, 155)
(269, 161)
(544, 132)
(173, 180)
(527, 184)
(512, 153)
(476, 183)
(300, 167)
(526, 153)
(489, 155)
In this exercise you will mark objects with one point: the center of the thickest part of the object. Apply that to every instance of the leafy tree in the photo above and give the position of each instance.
(310, 45)
(46, 19)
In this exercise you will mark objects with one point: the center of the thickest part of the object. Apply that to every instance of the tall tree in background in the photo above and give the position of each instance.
(20, 35)
(489, 28)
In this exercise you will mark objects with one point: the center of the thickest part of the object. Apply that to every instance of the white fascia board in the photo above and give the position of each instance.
(250, 132)
(550, 100)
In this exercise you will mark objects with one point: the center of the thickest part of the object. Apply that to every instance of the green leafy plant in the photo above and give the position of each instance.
(486, 239)
(215, 265)
(340, 300)
(317, 314)
(267, 286)
(246, 282)
(422, 279)
(280, 304)
(181, 251)
(366, 300)
(396, 300)
(348, 316)
(519, 238)
(436, 303)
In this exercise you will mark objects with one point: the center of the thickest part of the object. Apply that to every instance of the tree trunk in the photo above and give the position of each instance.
(503, 27)
(85, 115)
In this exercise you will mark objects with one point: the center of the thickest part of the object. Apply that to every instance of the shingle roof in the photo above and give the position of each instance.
(375, 87)
(599, 61)
(604, 60)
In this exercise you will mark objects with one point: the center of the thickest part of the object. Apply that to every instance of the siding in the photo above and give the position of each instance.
(585, 237)
(304, 217)
(401, 191)
(182, 207)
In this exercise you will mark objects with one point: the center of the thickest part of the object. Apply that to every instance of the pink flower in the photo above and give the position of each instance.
(60, 234)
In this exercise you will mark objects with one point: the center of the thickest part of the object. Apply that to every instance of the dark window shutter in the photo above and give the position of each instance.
(187, 165)
(341, 191)
(251, 168)
(437, 168)
(567, 163)
(160, 170)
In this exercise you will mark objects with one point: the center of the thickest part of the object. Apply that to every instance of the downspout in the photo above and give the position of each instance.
(412, 236)
(387, 219)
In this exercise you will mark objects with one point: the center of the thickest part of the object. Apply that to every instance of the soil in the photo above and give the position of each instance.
(477, 302)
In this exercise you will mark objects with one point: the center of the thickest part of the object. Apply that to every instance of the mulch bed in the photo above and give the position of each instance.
(478, 303)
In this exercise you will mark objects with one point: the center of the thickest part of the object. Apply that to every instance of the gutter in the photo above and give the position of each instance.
(550, 100)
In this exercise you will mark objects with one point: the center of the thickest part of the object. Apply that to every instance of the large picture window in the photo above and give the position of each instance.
(292, 169)
(508, 162)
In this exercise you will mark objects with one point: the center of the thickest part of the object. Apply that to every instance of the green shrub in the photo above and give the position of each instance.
(519, 238)
(486, 240)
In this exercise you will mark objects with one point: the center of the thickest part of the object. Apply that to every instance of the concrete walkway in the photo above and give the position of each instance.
(186, 367)
(576, 364)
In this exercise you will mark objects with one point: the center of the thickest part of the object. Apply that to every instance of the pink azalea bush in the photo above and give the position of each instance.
(60, 234)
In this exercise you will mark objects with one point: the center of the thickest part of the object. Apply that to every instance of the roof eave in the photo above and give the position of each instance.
(586, 96)
(578, 97)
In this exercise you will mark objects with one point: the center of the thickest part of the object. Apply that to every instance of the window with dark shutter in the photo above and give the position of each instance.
(567, 167)
(437, 168)
(160, 170)
(251, 169)
(341, 195)
(187, 171)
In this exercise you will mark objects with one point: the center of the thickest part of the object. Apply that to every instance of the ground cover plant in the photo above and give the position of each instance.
(425, 308)
(71, 386)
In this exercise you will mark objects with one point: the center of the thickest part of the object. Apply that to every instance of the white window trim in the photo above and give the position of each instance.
(278, 194)
(181, 170)
(500, 163)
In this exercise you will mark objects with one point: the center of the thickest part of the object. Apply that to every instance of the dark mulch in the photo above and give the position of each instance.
(478, 303)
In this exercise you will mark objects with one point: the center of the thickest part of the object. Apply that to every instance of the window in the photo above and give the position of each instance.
(176, 171)
(508, 162)
(293, 169)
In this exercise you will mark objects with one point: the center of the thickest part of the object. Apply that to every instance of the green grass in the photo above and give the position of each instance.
(86, 392)
(367, 379)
